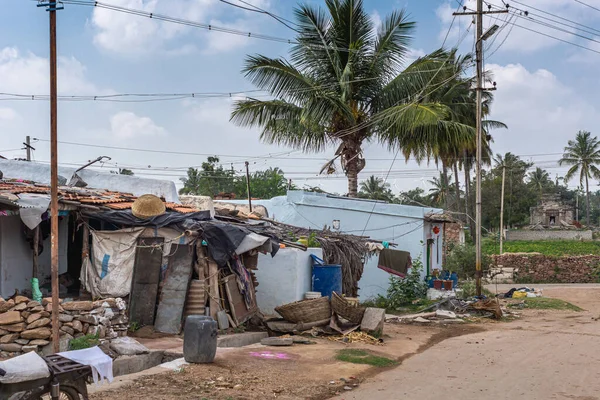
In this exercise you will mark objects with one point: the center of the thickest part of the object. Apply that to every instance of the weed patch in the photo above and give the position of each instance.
(356, 356)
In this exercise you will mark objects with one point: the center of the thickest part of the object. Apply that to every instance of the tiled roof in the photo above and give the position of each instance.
(103, 199)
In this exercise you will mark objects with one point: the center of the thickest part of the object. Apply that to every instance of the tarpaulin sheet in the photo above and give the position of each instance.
(125, 217)
(395, 262)
(108, 271)
(32, 206)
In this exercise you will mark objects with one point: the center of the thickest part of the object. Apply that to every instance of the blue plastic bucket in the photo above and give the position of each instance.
(326, 279)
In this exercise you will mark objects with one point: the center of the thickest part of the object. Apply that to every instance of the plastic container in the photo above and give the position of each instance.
(200, 339)
(312, 295)
(454, 279)
(448, 285)
(326, 279)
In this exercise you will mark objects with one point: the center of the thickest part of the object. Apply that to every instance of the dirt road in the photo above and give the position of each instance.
(547, 355)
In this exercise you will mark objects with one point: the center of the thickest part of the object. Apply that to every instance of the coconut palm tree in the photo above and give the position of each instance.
(376, 189)
(582, 154)
(439, 191)
(540, 179)
(344, 85)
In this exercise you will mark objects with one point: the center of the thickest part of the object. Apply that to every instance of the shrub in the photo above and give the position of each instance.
(461, 260)
(84, 342)
(469, 289)
(405, 291)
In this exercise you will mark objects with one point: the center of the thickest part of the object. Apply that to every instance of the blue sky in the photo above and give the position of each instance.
(547, 90)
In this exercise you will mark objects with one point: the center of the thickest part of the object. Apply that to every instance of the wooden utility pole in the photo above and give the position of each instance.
(248, 186)
(51, 7)
(502, 209)
(480, 37)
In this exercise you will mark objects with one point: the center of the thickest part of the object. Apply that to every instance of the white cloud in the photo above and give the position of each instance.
(8, 114)
(28, 74)
(133, 35)
(541, 112)
(376, 20)
(128, 125)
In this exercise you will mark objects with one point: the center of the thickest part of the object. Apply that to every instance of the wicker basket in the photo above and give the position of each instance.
(346, 310)
(312, 310)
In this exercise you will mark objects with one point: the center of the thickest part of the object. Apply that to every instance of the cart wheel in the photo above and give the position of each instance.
(66, 393)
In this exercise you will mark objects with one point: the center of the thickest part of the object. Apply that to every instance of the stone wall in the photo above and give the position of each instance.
(25, 325)
(548, 234)
(538, 268)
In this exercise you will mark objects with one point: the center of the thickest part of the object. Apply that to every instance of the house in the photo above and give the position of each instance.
(417, 230)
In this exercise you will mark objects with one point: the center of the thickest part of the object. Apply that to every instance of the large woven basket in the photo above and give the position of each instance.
(345, 309)
(311, 310)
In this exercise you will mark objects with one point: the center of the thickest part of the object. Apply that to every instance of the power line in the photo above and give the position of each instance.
(253, 8)
(587, 5)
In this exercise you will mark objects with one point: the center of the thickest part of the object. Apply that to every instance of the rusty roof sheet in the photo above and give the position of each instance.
(9, 189)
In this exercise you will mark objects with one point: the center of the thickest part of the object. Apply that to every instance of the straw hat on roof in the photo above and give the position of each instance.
(148, 206)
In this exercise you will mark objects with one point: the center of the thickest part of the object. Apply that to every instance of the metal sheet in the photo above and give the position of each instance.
(146, 275)
(174, 291)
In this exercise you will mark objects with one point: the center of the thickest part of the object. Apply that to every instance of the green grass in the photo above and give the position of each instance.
(356, 356)
(545, 247)
(84, 342)
(545, 303)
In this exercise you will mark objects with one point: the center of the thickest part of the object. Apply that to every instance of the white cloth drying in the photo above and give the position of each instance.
(102, 365)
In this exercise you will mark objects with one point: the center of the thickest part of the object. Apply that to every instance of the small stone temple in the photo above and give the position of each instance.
(552, 212)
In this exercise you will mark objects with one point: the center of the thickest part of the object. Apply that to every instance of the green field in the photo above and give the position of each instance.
(548, 247)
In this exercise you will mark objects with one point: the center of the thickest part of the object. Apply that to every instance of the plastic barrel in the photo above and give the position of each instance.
(200, 339)
(327, 279)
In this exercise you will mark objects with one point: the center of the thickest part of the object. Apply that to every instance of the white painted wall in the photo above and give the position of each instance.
(16, 258)
(400, 224)
(284, 278)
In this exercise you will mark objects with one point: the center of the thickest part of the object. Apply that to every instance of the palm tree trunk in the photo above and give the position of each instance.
(445, 183)
(468, 220)
(352, 174)
(587, 201)
(457, 183)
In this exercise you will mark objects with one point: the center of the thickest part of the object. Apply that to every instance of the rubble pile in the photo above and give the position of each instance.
(539, 268)
(25, 325)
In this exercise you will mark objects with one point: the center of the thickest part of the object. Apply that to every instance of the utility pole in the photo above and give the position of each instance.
(28, 147)
(502, 209)
(479, 39)
(248, 186)
(51, 8)
(577, 204)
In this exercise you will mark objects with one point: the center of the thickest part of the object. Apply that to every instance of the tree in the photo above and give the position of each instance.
(540, 180)
(344, 85)
(375, 188)
(582, 154)
(210, 180)
(265, 184)
(440, 190)
(415, 197)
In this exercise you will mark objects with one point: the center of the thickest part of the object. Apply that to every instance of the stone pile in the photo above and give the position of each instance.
(538, 268)
(25, 325)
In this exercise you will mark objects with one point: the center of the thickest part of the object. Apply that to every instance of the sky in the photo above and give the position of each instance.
(547, 90)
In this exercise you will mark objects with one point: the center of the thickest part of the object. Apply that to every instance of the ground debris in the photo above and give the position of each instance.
(356, 337)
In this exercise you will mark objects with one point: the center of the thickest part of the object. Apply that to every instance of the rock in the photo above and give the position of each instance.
(22, 341)
(10, 317)
(89, 319)
(105, 347)
(37, 309)
(9, 338)
(276, 341)
(11, 347)
(373, 321)
(22, 299)
(39, 342)
(121, 319)
(78, 326)
(443, 314)
(69, 324)
(38, 324)
(110, 333)
(78, 306)
(25, 314)
(48, 300)
(127, 346)
(45, 314)
(86, 328)
(29, 348)
(93, 330)
(101, 331)
(19, 307)
(63, 345)
(109, 313)
(65, 318)
(3, 332)
(347, 388)
(238, 387)
(421, 320)
(14, 327)
(68, 330)
(104, 321)
(49, 308)
(38, 333)
(7, 305)
(33, 304)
